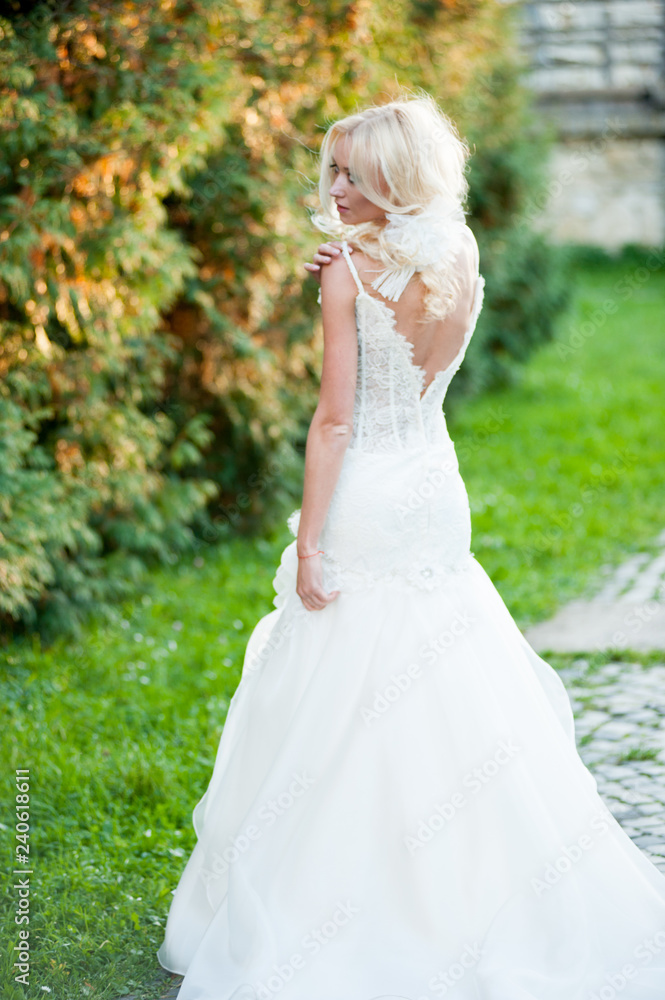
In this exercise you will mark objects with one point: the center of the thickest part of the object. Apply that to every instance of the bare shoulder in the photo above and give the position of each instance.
(367, 267)
(337, 280)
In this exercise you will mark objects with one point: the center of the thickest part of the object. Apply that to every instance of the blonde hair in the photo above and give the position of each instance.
(413, 149)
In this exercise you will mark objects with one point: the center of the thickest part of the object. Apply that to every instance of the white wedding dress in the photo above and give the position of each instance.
(397, 808)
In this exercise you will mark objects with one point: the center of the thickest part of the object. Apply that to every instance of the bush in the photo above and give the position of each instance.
(158, 363)
(93, 465)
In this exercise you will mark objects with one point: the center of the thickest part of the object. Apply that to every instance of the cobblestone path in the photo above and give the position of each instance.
(619, 711)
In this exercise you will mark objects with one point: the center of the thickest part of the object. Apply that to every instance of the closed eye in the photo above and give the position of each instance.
(335, 169)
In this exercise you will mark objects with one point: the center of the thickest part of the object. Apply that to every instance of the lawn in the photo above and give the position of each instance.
(565, 471)
(119, 729)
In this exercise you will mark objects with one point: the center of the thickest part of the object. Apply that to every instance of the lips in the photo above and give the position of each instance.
(342, 208)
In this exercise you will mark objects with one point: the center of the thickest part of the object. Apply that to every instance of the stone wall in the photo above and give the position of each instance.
(597, 71)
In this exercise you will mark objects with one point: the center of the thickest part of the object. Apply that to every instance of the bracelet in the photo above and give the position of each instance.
(319, 552)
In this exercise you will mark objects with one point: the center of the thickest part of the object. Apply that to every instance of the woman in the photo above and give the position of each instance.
(397, 808)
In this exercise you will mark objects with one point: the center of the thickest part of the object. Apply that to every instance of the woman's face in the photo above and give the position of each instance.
(353, 207)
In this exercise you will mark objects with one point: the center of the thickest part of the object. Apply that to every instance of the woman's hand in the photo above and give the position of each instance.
(309, 584)
(324, 255)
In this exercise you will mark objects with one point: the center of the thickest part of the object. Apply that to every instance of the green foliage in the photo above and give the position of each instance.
(93, 467)
(159, 343)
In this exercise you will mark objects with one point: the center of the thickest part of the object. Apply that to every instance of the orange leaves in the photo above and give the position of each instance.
(68, 456)
(92, 44)
(99, 177)
(357, 13)
(78, 215)
(37, 257)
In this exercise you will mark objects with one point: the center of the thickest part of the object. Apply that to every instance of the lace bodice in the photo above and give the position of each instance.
(399, 514)
(391, 411)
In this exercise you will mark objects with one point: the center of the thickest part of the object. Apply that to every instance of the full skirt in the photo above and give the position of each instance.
(398, 810)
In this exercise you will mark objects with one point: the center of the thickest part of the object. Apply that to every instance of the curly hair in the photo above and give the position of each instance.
(403, 156)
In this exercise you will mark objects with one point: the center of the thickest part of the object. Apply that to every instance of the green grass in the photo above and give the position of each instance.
(638, 753)
(119, 732)
(120, 728)
(564, 471)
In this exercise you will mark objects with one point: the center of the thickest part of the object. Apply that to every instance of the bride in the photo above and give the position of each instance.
(398, 810)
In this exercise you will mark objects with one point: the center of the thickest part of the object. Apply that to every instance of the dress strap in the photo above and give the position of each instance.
(352, 266)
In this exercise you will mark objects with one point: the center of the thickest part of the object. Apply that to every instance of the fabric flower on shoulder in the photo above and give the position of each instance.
(430, 238)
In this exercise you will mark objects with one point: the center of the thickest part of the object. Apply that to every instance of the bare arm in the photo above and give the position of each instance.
(330, 430)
